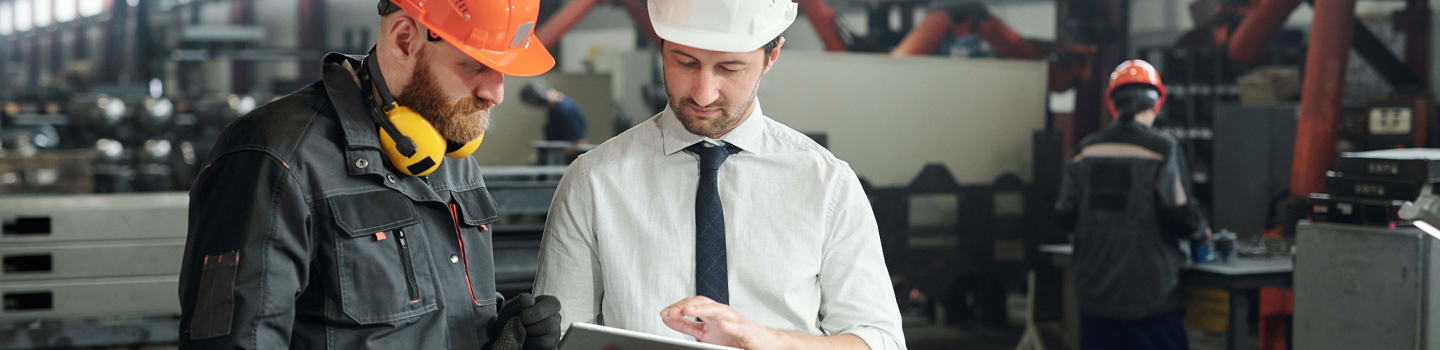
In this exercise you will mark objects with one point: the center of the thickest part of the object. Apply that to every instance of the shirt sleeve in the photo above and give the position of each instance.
(856, 297)
(247, 255)
(569, 268)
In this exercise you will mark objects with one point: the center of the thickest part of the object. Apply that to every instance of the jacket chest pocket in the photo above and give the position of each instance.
(474, 211)
(379, 261)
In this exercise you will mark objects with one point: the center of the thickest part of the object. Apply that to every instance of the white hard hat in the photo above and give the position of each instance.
(721, 25)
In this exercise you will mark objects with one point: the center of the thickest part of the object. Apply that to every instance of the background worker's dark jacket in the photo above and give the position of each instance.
(564, 121)
(300, 193)
(1126, 196)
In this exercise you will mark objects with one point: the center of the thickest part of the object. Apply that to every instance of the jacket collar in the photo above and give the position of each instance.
(1128, 124)
(344, 92)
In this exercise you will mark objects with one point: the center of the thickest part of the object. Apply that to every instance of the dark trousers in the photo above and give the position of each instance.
(1165, 331)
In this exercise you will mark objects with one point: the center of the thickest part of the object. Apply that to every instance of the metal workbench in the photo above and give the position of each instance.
(1241, 277)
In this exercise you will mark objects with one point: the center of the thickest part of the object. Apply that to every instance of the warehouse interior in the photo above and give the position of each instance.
(1306, 130)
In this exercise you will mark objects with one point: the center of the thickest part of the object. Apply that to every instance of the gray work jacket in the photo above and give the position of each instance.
(1126, 195)
(303, 236)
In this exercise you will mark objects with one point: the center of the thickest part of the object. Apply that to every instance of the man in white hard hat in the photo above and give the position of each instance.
(713, 221)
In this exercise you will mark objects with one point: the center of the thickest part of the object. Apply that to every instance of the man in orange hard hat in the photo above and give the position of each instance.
(1126, 195)
(331, 217)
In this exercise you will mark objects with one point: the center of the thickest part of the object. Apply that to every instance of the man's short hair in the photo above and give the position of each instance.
(770, 46)
(385, 7)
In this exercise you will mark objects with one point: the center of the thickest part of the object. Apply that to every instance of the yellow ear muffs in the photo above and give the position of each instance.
(457, 151)
(429, 145)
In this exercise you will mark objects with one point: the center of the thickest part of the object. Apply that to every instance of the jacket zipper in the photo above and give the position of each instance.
(455, 218)
(408, 264)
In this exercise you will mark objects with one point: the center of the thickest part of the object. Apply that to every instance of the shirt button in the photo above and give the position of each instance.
(454, 259)
(362, 163)
(390, 177)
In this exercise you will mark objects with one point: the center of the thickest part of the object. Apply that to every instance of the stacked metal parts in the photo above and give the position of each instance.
(108, 142)
(91, 270)
(1369, 188)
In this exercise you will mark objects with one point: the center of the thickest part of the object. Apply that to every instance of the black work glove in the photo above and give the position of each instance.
(527, 322)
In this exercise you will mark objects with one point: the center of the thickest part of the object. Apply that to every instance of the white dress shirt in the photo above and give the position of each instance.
(802, 245)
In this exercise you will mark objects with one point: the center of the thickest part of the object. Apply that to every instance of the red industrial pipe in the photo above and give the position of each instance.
(932, 31)
(926, 37)
(570, 15)
(822, 17)
(1320, 99)
(1006, 42)
(641, 16)
(1260, 26)
(564, 19)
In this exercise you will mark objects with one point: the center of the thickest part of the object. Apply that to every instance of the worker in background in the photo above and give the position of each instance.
(564, 122)
(563, 119)
(331, 218)
(1126, 195)
(713, 221)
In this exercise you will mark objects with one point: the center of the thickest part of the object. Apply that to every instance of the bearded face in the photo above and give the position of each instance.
(709, 126)
(458, 120)
(711, 92)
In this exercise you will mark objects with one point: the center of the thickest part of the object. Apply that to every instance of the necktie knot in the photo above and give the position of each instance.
(712, 157)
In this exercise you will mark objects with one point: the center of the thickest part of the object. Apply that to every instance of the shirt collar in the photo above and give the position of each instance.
(747, 136)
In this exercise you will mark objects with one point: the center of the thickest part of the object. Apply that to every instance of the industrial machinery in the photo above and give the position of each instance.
(108, 142)
(1365, 287)
(91, 270)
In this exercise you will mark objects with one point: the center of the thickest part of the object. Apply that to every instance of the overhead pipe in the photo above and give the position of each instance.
(822, 17)
(1006, 41)
(927, 35)
(574, 11)
(971, 17)
(1321, 97)
(1259, 27)
(641, 16)
(562, 21)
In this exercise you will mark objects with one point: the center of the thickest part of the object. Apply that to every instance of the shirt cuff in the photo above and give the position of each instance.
(876, 339)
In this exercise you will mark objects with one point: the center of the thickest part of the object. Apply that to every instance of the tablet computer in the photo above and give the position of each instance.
(586, 336)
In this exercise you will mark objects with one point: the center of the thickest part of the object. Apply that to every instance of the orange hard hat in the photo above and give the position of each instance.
(1134, 72)
(498, 33)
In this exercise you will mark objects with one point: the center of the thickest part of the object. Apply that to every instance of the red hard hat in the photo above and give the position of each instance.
(498, 33)
(1134, 72)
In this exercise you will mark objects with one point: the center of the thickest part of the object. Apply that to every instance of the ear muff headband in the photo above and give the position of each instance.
(457, 151)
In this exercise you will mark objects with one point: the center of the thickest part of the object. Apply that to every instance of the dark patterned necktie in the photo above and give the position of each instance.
(710, 265)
